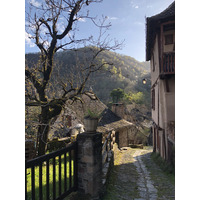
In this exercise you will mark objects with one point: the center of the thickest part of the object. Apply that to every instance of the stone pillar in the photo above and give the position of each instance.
(90, 164)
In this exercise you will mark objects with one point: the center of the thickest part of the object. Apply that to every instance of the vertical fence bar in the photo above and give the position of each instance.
(174, 63)
(47, 179)
(65, 172)
(69, 177)
(164, 63)
(70, 170)
(76, 167)
(40, 182)
(25, 184)
(33, 182)
(168, 62)
(54, 178)
(59, 175)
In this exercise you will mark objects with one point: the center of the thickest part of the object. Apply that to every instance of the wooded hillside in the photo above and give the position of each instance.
(124, 72)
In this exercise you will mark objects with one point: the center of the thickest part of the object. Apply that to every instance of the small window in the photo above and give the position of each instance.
(153, 99)
(169, 39)
(153, 63)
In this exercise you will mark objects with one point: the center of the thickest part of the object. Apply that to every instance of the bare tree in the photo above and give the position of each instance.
(53, 25)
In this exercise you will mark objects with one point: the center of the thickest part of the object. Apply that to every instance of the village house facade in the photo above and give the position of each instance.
(68, 123)
(160, 50)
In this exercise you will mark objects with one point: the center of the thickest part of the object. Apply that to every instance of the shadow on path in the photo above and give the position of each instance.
(135, 176)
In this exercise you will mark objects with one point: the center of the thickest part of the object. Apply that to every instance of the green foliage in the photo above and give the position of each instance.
(93, 114)
(114, 70)
(110, 104)
(125, 72)
(168, 168)
(117, 95)
(105, 67)
(138, 97)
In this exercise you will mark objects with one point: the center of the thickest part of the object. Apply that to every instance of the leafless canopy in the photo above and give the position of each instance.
(53, 25)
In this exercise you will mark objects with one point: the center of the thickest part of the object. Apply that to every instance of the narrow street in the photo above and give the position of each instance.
(136, 176)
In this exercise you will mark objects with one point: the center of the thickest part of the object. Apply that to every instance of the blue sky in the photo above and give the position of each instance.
(128, 23)
(187, 81)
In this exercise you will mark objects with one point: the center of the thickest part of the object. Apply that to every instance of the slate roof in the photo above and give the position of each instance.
(110, 121)
(108, 117)
(117, 125)
(82, 109)
(152, 23)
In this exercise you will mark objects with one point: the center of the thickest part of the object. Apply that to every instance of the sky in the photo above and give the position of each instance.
(128, 23)
(187, 83)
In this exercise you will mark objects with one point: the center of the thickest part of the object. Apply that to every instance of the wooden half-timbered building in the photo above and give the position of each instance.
(160, 51)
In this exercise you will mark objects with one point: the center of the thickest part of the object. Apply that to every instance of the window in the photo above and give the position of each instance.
(168, 39)
(153, 63)
(153, 99)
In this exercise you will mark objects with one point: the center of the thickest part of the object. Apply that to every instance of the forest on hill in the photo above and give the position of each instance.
(122, 72)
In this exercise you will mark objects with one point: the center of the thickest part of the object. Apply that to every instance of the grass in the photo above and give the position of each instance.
(50, 178)
(165, 166)
(162, 175)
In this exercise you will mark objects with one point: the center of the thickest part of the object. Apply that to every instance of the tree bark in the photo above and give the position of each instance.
(47, 114)
(43, 130)
(42, 139)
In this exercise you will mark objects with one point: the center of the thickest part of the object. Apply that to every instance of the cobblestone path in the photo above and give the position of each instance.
(136, 177)
(145, 184)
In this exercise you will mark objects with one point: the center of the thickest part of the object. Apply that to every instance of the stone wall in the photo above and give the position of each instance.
(90, 164)
(123, 138)
(118, 109)
(129, 136)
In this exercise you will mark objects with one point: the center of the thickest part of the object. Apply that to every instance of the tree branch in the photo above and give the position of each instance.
(33, 79)
(71, 20)
(37, 42)
(47, 25)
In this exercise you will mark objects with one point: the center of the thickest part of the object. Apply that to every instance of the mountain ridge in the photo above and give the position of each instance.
(125, 72)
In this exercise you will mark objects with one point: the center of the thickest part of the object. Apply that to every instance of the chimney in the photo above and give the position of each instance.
(118, 109)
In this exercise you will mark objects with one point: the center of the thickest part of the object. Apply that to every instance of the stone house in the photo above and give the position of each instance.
(73, 114)
(124, 130)
(138, 115)
(160, 50)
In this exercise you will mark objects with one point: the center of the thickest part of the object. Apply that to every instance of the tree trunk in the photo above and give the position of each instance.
(43, 131)
(47, 113)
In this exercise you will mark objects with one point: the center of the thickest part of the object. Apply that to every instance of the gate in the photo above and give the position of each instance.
(52, 176)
